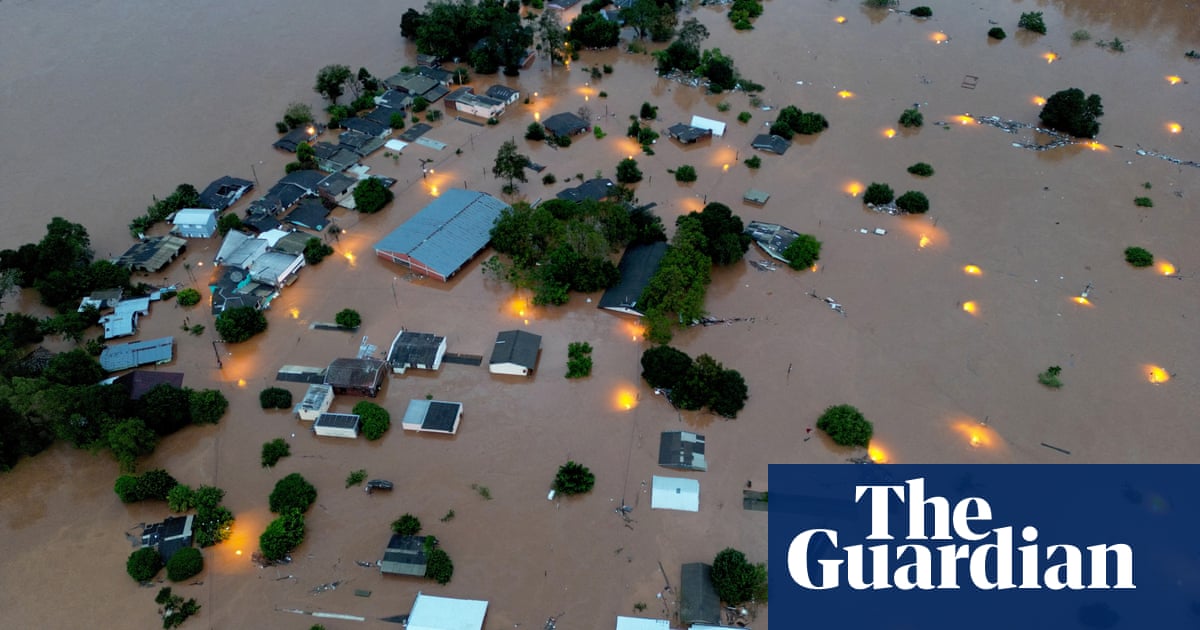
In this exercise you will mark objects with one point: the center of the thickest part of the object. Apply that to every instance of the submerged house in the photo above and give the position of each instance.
(360, 377)
(423, 351)
(436, 416)
(195, 222)
(688, 134)
(566, 124)
(152, 254)
(682, 450)
(771, 238)
(136, 353)
(122, 322)
(503, 93)
(638, 265)
(771, 143)
(444, 235)
(446, 613)
(405, 555)
(596, 189)
(224, 192)
(343, 425)
(515, 352)
(138, 382)
(169, 536)
(698, 599)
(317, 401)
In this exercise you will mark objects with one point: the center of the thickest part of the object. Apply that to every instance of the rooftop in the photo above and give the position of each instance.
(638, 265)
(594, 189)
(338, 420)
(771, 143)
(446, 613)
(405, 555)
(224, 192)
(683, 450)
(517, 347)
(447, 233)
(152, 254)
(432, 415)
(772, 238)
(565, 124)
(127, 355)
(688, 134)
(414, 348)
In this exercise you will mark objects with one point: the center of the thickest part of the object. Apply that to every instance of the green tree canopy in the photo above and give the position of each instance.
(592, 30)
(375, 419)
(275, 398)
(75, 367)
(274, 451)
(179, 499)
(184, 564)
(664, 366)
(348, 318)
(143, 564)
(735, 579)
(846, 426)
(1138, 257)
(331, 81)
(282, 535)
(802, 252)
(370, 195)
(574, 478)
(725, 240)
(240, 323)
(315, 251)
(407, 525)
(628, 171)
(510, 164)
(207, 406)
(913, 202)
(878, 194)
(439, 567)
(1070, 112)
(165, 408)
(130, 439)
(293, 492)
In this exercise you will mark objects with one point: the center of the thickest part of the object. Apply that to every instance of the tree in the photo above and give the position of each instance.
(126, 488)
(628, 171)
(579, 360)
(207, 406)
(1138, 257)
(573, 478)
(315, 251)
(921, 169)
(846, 426)
(165, 408)
(677, 56)
(438, 566)
(143, 564)
(692, 33)
(1049, 378)
(878, 194)
(410, 23)
(297, 114)
(550, 30)
(293, 492)
(912, 118)
(306, 156)
(913, 202)
(997, 33)
(75, 367)
(725, 239)
(331, 81)
(228, 221)
(1032, 21)
(407, 525)
(370, 195)
(510, 164)
(802, 252)
(282, 535)
(664, 366)
(180, 498)
(685, 173)
(729, 393)
(184, 564)
(130, 439)
(348, 318)
(375, 419)
(189, 297)
(240, 323)
(274, 451)
(921, 12)
(592, 30)
(735, 579)
(155, 484)
(1069, 112)
(648, 112)
(275, 398)
(535, 131)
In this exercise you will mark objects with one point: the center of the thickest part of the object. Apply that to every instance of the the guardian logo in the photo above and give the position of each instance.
(975, 554)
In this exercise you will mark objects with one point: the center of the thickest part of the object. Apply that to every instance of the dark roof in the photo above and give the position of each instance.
(772, 143)
(688, 134)
(436, 93)
(413, 348)
(261, 222)
(441, 416)
(169, 536)
(304, 179)
(447, 233)
(594, 189)
(416, 131)
(405, 555)
(141, 381)
(310, 213)
(338, 420)
(437, 74)
(501, 92)
(683, 450)
(428, 60)
(637, 266)
(361, 143)
(365, 126)
(698, 599)
(224, 192)
(336, 184)
(382, 116)
(413, 84)
(518, 347)
(459, 92)
(394, 99)
(292, 139)
(233, 288)
(152, 254)
(355, 373)
(565, 124)
(771, 237)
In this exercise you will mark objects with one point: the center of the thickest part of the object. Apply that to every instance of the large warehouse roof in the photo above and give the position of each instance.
(445, 234)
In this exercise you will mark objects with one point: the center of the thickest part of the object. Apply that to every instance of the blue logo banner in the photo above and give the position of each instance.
(983, 547)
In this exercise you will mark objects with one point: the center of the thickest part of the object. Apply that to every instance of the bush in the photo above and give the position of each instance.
(912, 118)
(207, 406)
(228, 221)
(348, 318)
(1080, 36)
(878, 194)
(1032, 21)
(573, 478)
(143, 564)
(315, 251)
(375, 419)
(179, 499)
(802, 252)
(846, 426)
(921, 12)
(1049, 378)
(293, 492)
(744, 117)
(753, 162)
(913, 202)
(356, 477)
(275, 398)
(240, 323)
(283, 535)
(186, 563)
(1068, 111)
(407, 525)
(370, 195)
(297, 114)
(274, 451)
(997, 33)
(598, 132)
(152, 484)
(735, 579)
(1136, 256)
(420, 104)
(535, 131)
(648, 112)
(1143, 202)
(579, 360)
(922, 169)
(549, 179)
(628, 171)
(685, 173)
(438, 566)
(188, 297)
(563, 141)
(281, 127)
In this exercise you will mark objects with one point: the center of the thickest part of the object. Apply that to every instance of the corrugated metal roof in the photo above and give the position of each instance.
(136, 353)
(517, 347)
(445, 234)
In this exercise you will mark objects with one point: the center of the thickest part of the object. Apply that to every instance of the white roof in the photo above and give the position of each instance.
(638, 623)
(446, 613)
(716, 126)
(675, 493)
(273, 236)
(193, 216)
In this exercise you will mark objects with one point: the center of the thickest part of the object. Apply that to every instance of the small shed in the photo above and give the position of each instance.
(343, 425)
(152, 254)
(405, 555)
(361, 377)
(516, 352)
(682, 450)
(675, 493)
(416, 350)
(698, 599)
(771, 143)
(756, 197)
(316, 401)
(641, 623)
(715, 126)
(688, 134)
(135, 353)
(446, 613)
(436, 416)
(195, 222)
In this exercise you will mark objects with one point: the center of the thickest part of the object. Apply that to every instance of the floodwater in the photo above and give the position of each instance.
(109, 103)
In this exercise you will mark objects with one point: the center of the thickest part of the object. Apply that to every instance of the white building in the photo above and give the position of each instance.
(516, 352)
(343, 425)
(446, 613)
(276, 269)
(675, 493)
(481, 106)
(640, 623)
(436, 416)
(195, 222)
(316, 401)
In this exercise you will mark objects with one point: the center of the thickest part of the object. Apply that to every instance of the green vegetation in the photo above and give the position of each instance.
(143, 564)
(1032, 22)
(188, 297)
(792, 121)
(179, 499)
(753, 162)
(487, 35)
(274, 451)
(293, 492)
(282, 535)
(648, 111)
(175, 611)
(742, 11)
(275, 398)
(396, 120)
(213, 522)
(549, 179)
(1143, 202)
(348, 318)
(207, 406)
(1081, 35)
(598, 132)
(913, 202)
(579, 359)
(695, 384)
(922, 12)
(482, 491)
(744, 117)
(997, 33)
(433, 115)
(228, 221)
(129, 439)
(240, 323)
(331, 82)
(1147, 185)
(184, 196)
(407, 525)
(878, 194)
(736, 580)
(370, 195)
(375, 419)
(880, 4)
(912, 118)
(921, 169)
(1049, 378)
(723, 106)
(419, 105)
(439, 567)
(186, 563)
(1116, 45)
(1069, 112)
(150, 485)
(846, 426)
(593, 31)
(573, 478)
(685, 173)
(315, 251)
(356, 477)
(1138, 257)
(449, 516)
(510, 164)
(802, 252)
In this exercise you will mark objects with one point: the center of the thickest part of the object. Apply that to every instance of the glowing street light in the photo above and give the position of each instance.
(1050, 57)
(1158, 375)
(846, 94)
(938, 37)
(1166, 268)
(970, 307)
(853, 189)
(1174, 127)
(924, 242)
(889, 133)
(1039, 101)
(841, 19)
(972, 270)
(1174, 79)
(965, 119)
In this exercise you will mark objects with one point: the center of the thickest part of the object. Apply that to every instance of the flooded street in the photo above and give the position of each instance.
(111, 103)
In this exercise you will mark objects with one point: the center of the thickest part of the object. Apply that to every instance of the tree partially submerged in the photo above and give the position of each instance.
(736, 580)
(293, 492)
(846, 426)
(331, 81)
(370, 195)
(695, 384)
(240, 323)
(143, 564)
(573, 478)
(802, 252)
(1139, 256)
(375, 419)
(510, 164)
(1070, 112)
(282, 535)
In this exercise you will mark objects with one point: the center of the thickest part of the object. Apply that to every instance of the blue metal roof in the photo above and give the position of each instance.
(127, 355)
(445, 234)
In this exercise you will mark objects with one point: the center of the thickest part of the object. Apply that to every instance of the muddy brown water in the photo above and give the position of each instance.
(109, 103)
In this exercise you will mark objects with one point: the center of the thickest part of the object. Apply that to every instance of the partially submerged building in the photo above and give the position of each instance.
(715, 126)
(342, 425)
(771, 143)
(136, 353)
(771, 238)
(435, 416)
(515, 352)
(169, 536)
(291, 140)
(446, 613)
(675, 493)
(638, 265)
(224, 192)
(503, 93)
(596, 189)
(698, 599)
(360, 377)
(682, 450)
(479, 105)
(444, 235)
(688, 134)
(122, 322)
(138, 382)
(405, 555)
(316, 401)
(423, 351)
(566, 124)
(152, 254)
(195, 222)
(309, 213)
(641, 623)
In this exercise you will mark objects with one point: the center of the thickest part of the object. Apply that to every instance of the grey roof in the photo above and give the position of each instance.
(437, 74)
(688, 134)
(405, 555)
(304, 179)
(517, 347)
(638, 264)
(360, 143)
(448, 232)
(233, 288)
(309, 213)
(224, 192)
(436, 93)
(336, 184)
(382, 116)
(141, 381)
(480, 100)
(269, 267)
(683, 450)
(458, 93)
(293, 243)
(433, 415)
(757, 196)
(698, 599)
(152, 254)
(240, 250)
(410, 83)
(594, 189)
(414, 348)
(772, 143)
(355, 373)
(363, 125)
(394, 99)
(260, 222)
(772, 238)
(501, 92)
(334, 158)
(293, 138)
(338, 420)
(169, 536)
(135, 353)
(565, 124)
